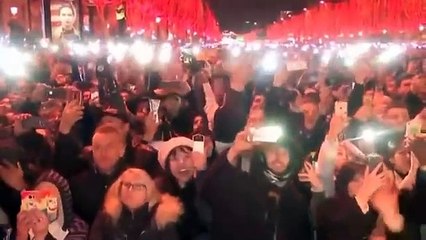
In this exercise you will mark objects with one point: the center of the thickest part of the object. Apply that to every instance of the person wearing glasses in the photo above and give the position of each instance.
(134, 209)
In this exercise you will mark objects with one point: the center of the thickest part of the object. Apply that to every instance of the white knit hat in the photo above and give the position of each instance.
(166, 147)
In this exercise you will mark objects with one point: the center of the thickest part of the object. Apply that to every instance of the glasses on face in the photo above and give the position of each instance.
(134, 186)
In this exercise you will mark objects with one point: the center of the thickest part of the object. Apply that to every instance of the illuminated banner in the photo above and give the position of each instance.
(65, 20)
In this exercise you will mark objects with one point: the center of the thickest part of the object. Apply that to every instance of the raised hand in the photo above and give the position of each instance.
(310, 175)
(72, 112)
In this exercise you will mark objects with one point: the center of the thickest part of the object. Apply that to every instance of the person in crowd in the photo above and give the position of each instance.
(223, 108)
(310, 126)
(184, 169)
(61, 74)
(27, 165)
(89, 187)
(134, 209)
(263, 200)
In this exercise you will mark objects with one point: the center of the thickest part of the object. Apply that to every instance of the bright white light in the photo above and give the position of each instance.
(14, 11)
(157, 20)
(326, 57)
(79, 49)
(391, 53)
(94, 47)
(165, 54)
(352, 53)
(236, 51)
(369, 135)
(421, 28)
(54, 48)
(349, 62)
(267, 134)
(44, 43)
(305, 48)
(270, 61)
(143, 52)
(14, 62)
(196, 50)
(315, 51)
(119, 51)
(256, 46)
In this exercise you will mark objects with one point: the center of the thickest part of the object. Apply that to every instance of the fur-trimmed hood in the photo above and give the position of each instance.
(168, 211)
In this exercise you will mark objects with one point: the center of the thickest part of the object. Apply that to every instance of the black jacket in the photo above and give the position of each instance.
(139, 225)
(249, 207)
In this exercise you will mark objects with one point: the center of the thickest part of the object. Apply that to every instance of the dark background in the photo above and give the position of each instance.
(240, 15)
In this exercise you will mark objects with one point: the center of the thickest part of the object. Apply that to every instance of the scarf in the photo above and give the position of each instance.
(277, 180)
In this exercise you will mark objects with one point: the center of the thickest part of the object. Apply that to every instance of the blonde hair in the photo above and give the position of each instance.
(113, 205)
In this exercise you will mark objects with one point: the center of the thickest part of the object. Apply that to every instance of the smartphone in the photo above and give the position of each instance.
(41, 200)
(265, 134)
(373, 160)
(198, 143)
(341, 109)
(65, 94)
(35, 122)
(413, 128)
(56, 93)
(296, 65)
(154, 106)
(311, 158)
(33, 200)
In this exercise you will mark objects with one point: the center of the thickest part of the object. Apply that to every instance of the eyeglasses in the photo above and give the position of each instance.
(133, 186)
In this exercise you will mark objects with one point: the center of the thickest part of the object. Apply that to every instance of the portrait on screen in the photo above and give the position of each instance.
(65, 20)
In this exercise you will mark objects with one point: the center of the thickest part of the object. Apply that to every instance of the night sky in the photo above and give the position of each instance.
(239, 15)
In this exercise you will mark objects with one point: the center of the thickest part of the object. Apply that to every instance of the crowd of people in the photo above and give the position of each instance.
(343, 160)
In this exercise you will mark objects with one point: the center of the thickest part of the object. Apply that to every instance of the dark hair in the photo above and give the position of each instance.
(67, 5)
(37, 155)
(347, 174)
(173, 153)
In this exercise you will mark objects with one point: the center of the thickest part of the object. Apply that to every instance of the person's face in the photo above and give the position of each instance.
(172, 105)
(116, 123)
(107, 150)
(405, 87)
(182, 165)
(198, 124)
(419, 86)
(133, 192)
(341, 158)
(413, 66)
(277, 158)
(396, 117)
(142, 110)
(391, 85)
(125, 96)
(258, 102)
(310, 111)
(381, 104)
(67, 18)
(63, 78)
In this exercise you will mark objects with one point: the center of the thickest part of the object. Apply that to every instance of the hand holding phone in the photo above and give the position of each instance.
(35, 122)
(341, 109)
(296, 65)
(198, 143)
(265, 134)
